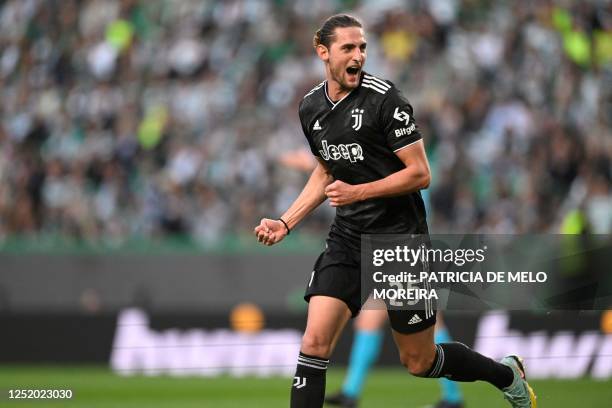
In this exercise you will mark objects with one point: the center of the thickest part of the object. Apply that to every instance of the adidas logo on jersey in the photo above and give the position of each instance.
(317, 126)
(349, 151)
(415, 319)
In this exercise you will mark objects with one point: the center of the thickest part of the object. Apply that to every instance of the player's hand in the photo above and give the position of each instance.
(341, 193)
(269, 232)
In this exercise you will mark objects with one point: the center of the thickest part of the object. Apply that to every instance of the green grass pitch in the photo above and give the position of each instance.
(99, 387)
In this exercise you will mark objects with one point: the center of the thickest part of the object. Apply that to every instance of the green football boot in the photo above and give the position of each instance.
(519, 393)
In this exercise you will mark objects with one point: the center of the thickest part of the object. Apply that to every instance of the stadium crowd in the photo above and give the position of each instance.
(134, 118)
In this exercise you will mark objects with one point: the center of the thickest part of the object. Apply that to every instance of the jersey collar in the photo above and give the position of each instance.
(334, 104)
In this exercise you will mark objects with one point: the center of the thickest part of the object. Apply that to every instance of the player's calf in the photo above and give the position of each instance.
(308, 388)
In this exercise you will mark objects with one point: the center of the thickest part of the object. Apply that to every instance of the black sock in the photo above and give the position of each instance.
(458, 362)
(308, 389)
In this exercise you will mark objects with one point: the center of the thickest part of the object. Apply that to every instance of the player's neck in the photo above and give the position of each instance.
(335, 91)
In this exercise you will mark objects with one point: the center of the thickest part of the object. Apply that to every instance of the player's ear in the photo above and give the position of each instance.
(322, 52)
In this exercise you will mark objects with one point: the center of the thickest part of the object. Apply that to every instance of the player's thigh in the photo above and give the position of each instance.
(327, 317)
(372, 317)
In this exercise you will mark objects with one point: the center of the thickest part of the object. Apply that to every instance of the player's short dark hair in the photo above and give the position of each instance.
(325, 34)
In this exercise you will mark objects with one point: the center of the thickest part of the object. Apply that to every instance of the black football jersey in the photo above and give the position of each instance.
(357, 137)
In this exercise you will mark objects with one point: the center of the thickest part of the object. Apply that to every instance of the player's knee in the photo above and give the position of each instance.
(418, 364)
(316, 345)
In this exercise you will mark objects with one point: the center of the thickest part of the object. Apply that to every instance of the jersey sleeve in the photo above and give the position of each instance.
(305, 127)
(398, 123)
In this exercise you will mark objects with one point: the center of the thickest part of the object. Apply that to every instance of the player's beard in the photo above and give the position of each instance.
(340, 75)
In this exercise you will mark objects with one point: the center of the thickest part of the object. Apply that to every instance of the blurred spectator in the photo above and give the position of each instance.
(133, 118)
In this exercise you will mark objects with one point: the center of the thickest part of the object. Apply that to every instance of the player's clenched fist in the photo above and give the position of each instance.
(269, 232)
(341, 193)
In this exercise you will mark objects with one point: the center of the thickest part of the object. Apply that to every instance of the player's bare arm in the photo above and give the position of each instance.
(270, 231)
(415, 176)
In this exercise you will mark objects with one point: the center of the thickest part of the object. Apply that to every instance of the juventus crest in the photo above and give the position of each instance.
(357, 115)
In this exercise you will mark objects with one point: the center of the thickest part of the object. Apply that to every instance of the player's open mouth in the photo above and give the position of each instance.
(352, 70)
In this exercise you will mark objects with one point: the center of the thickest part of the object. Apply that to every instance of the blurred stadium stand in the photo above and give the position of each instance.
(145, 119)
(156, 127)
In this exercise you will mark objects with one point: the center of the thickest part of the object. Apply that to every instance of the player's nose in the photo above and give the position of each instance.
(358, 56)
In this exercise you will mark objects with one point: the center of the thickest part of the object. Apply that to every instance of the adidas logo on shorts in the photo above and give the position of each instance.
(415, 319)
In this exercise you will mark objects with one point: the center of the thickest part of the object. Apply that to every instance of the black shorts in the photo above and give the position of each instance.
(337, 274)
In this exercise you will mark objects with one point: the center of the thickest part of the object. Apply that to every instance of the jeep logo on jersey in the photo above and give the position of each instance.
(357, 114)
(401, 116)
(350, 151)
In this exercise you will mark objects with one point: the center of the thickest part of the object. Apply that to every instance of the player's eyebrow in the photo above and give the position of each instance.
(353, 45)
